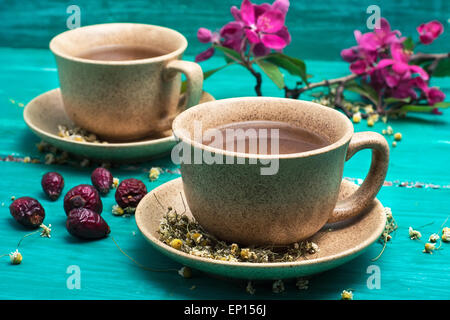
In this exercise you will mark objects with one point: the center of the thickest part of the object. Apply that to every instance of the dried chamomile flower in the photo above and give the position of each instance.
(234, 249)
(346, 295)
(188, 236)
(278, 286)
(433, 238)
(185, 272)
(249, 288)
(197, 237)
(115, 183)
(176, 244)
(356, 118)
(370, 122)
(46, 231)
(302, 284)
(154, 173)
(117, 210)
(394, 143)
(389, 130)
(27, 160)
(368, 108)
(446, 234)
(398, 136)
(429, 248)
(414, 234)
(77, 134)
(312, 248)
(15, 257)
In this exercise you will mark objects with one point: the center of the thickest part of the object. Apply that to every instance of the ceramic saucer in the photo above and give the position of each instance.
(338, 244)
(44, 113)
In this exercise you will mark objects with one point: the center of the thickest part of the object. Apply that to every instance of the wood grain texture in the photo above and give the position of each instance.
(320, 29)
(406, 272)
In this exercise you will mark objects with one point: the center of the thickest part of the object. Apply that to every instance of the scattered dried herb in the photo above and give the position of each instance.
(154, 173)
(347, 295)
(186, 235)
(77, 134)
(390, 227)
(414, 234)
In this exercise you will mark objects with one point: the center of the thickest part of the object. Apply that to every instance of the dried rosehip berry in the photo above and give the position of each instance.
(130, 192)
(28, 212)
(86, 224)
(83, 196)
(52, 184)
(102, 179)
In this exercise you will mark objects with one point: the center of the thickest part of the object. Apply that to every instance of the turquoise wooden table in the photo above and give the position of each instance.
(421, 158)
(406, 273)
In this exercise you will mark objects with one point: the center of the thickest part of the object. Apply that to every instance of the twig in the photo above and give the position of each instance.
(295, 93)
(245, 61)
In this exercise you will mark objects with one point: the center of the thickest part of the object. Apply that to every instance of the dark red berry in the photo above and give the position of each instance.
(86, 224)
(83, 196)
(102, 179)
(28, 212)
(52, 184)
(130, 192)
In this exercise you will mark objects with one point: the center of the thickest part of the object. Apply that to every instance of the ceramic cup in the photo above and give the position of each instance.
(235, 202)
(128, 99)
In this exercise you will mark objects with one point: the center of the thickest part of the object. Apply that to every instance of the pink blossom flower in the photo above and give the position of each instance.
(263, 26)
(205, 55)
(350, 54)
(428, 32)
(262, 23)
(370, 47)
(207, 36)
(434, 96)
(400, 69)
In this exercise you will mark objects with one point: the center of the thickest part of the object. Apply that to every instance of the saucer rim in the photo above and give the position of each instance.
(108, 145)
(359, 248)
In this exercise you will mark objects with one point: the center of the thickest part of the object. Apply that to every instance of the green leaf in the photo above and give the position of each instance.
(417, 108)
(425, 108)
(443, 68)
(409, 44)
(272, 72)
(364, 90)
(442, 105)
(209, 73)
(292, 65)
(229, 53)
(206, 75)
(392, 100)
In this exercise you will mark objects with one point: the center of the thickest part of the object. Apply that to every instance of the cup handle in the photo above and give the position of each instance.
(194, 76)
(366, 193)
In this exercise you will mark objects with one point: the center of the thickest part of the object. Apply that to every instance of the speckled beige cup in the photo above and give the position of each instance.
(236, 203)
(124, 100)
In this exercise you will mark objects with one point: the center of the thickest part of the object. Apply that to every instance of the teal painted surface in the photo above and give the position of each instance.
(406, 272)
(320, 29)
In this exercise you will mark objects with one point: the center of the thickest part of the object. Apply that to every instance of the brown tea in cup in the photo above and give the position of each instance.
(266, 137)
(120, 52)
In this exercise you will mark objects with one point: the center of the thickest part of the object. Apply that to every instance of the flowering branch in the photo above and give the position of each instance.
(385, 71)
